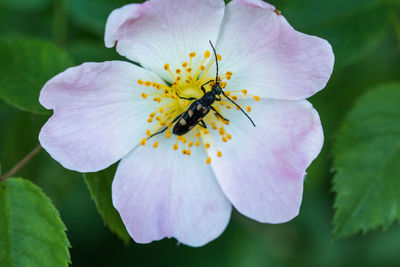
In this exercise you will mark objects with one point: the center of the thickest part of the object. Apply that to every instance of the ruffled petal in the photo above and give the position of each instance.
(162, 193)
(262, 168)
(268, 57)
(99, 115)
(158, 32)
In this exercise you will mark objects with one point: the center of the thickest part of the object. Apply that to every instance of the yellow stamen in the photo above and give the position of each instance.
(155, 145)
(208, 160)
(143, 142)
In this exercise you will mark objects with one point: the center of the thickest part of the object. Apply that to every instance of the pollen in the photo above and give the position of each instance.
(187, 84)
(168, 134)
(143, 142)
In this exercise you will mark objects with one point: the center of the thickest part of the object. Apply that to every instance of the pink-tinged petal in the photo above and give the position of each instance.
(158, 32)
(99, 115)
(262, 168)
(268, 57)
(162, 193)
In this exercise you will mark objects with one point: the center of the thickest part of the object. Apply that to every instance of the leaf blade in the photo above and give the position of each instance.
(366, 151)
(26, 66)
(32, 233)
(99, 185)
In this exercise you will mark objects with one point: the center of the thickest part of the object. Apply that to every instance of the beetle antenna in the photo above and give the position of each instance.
(238, 107)
(216, 61)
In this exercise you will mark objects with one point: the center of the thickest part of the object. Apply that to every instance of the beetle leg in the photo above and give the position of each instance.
(186, 98)
(202, 87)
(203, 124)
(217, 113)
(165, 128)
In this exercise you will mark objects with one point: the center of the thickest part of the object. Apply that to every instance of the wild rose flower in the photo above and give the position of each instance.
(185, 186)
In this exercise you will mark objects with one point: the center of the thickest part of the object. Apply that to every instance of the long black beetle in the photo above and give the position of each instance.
(194, 115)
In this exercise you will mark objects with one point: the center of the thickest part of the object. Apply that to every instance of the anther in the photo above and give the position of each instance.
(152, 115)
(143, 142)
(234, 98)
(185, 64)
(144, 95)
(229, 136)
(244, 91)
(219, 57)
(202, 67)
(147, 83)
(184, 152)
(207, 54)
(256, 98)
(150, 120)
(224, 139)
(178, 71)
(219, 154)
(197, 143)
(158, 118)
(248, 109)
(208, 160)
(166, 66)
(148, 132)
(140, 82)
(176, 147)
(190, 144)
(192, 55)
(207, 145)
(155, 145)
(168, 134)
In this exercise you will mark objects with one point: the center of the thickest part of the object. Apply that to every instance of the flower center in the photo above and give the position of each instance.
(173, 100)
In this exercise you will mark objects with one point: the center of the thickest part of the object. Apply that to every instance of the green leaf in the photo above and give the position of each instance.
(26, 65)
(92, 15)
(367, 156)
(354, 28)
(99, 185)
(31, 231)
(25, 4)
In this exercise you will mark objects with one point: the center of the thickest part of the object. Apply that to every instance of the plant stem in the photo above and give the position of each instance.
(21, 164)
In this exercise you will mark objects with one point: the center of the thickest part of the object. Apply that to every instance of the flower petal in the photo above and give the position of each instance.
(162, 193)
(262, 168)
(268, 57)
(99, 115)
(158, 32)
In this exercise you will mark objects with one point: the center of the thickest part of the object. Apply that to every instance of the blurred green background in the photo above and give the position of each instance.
(365, 36)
